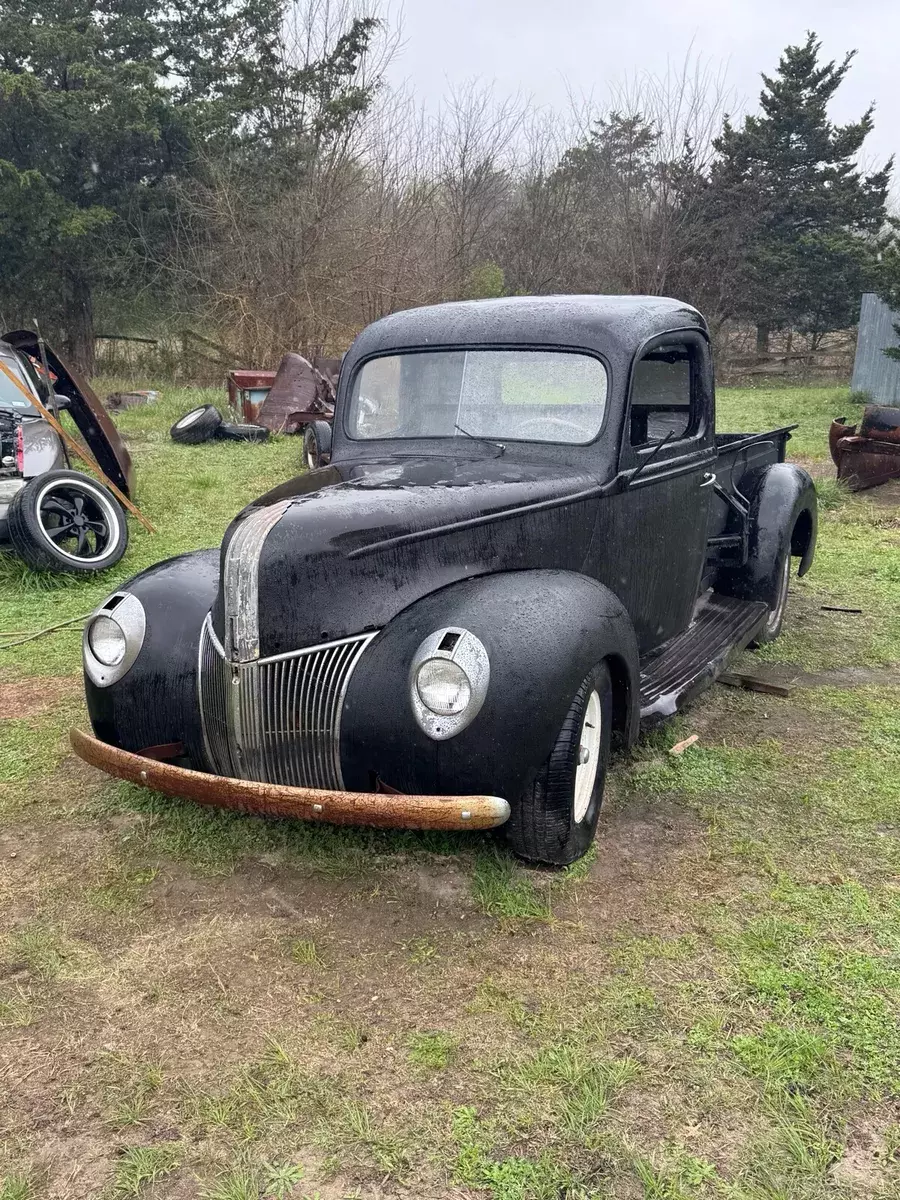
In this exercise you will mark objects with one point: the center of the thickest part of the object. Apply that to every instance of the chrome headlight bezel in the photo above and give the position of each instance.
(465, 651)
(128, 613)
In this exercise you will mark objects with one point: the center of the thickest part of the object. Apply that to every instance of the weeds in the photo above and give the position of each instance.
(139, 1166)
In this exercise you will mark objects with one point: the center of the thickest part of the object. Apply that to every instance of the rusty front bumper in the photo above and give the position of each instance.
(391, 811)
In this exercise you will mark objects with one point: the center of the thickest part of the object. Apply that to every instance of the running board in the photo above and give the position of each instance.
(691, 661)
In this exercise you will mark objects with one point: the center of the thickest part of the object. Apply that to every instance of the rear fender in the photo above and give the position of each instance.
(783, 515)
(543, 631)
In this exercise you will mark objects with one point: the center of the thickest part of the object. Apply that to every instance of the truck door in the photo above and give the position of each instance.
(662, 517)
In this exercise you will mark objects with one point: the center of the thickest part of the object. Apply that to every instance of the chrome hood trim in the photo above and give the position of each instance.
(240, 579)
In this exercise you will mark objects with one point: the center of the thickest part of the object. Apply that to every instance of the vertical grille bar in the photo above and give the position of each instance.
(277, 720)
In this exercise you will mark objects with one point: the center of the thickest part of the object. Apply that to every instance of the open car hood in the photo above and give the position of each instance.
(92, 420)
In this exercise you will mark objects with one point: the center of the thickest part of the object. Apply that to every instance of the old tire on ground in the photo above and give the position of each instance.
(242, 433)
(66, 521)
(776, 598)
(555, 820)
(316, 445)
(198, 425)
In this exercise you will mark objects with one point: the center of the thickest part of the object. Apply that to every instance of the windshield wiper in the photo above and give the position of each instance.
(501, 449)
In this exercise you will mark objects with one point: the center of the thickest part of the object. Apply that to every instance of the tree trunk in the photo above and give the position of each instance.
(80, 325)
(762, 338)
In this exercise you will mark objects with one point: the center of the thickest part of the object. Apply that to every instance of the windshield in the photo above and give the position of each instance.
(10, 396)
(520, 395)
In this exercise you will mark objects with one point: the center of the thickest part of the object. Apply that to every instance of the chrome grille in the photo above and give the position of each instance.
(277, 720)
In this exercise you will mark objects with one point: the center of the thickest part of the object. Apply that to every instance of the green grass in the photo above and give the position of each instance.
(139, 1166)
(706, 1008)
(432, 1050)
(17, 1187)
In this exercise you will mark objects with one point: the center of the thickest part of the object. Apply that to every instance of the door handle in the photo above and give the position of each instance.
(709, 479)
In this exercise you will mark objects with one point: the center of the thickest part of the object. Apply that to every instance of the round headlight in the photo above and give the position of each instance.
(107, 641)
(443, 686)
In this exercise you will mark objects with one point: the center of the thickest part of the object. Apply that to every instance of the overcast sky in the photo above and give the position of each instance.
(547, 48)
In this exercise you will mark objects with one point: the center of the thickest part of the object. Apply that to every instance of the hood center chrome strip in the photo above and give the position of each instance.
(241, 581)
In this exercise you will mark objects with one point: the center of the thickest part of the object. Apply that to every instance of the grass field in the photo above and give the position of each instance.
(197, 1004)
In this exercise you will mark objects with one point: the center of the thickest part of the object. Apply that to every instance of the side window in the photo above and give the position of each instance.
(664, 393)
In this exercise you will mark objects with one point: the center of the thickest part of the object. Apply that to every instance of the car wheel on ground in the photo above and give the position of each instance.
(317, 445)
(66, 521)
(776, 600)
(198, 425)
(242, 433)
(555, 821)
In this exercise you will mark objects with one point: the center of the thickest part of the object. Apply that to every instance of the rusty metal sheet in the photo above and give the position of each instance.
(384, 810)
(299, 394)
(93, 422)
(329, 369)
(867, 454)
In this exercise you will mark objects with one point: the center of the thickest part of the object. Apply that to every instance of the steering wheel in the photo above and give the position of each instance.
(539, 421)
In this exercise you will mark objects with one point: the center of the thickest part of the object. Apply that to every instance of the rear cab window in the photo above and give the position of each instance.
(666, 396)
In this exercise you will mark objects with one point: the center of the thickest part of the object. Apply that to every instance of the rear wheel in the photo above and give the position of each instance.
(66, 521)
(777, 601)
(316, 445)
(555, 821)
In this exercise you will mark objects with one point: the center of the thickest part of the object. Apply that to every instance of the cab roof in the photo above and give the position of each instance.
(611, 325)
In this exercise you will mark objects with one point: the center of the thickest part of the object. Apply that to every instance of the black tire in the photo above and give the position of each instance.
(242, 433)
(66, 521)
(198, 425)
(543, 826)
(316, 445)
(776, 598)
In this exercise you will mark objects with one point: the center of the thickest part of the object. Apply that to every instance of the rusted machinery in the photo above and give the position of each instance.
(868, 453)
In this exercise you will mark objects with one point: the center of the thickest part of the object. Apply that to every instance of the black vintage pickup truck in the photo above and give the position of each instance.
(530, 539)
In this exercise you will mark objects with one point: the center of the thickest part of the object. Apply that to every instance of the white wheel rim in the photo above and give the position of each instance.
(588, 756)
(310, 454)
(191, 418)
(103, 503)
(777, 612)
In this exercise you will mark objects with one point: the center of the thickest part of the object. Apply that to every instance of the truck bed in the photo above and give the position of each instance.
(740, 453)
(733, 443)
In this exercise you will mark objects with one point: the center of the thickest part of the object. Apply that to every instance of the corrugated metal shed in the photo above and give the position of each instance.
(873, 371)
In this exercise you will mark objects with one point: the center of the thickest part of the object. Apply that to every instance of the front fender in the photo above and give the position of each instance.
(543, 631)
(155, 702)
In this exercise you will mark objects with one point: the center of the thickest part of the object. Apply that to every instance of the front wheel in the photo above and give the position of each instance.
(555, 820)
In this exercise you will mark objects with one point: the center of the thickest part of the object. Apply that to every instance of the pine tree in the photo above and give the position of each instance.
(812, 220)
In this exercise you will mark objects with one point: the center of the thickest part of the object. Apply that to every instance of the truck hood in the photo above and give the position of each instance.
(343, 549)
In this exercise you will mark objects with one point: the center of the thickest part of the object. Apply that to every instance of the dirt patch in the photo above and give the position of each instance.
(885, 496)
(727, 716)
(859, 1170)
(24, 698)
(850, 677)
